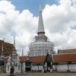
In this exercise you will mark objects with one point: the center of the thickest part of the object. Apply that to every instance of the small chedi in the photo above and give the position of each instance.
(14, 61)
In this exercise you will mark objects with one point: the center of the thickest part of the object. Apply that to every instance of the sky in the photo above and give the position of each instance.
(31, 5)
(19, 20)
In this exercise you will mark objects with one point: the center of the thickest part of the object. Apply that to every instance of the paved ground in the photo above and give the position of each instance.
(43, 74)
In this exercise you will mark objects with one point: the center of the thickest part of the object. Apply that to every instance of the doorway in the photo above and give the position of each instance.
(28, 66)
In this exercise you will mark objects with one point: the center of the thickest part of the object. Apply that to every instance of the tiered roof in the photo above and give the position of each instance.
(7, 48)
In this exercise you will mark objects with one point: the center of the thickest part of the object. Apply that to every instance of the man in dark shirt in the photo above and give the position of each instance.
(12, 71)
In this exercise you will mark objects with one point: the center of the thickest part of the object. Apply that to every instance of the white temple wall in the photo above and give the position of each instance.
(72, 67)
(36, 67)
(62, 68)
(65, 67)
(40, 67)
(54, 67)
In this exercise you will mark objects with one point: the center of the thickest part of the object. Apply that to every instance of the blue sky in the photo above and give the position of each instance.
(32, 5)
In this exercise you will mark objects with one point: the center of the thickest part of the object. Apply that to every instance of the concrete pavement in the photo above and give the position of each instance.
(42, 74)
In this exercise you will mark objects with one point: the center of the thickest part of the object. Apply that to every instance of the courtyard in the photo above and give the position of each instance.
(42, 74)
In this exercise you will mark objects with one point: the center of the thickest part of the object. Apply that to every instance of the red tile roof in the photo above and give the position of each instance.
(38, 59)
(60, 58)
(35, 60)
(67, 51)
(8, 48)
(64, 58)
(24, 58)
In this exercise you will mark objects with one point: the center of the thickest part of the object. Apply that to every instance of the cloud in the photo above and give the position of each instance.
(13, 23)
(58, 20)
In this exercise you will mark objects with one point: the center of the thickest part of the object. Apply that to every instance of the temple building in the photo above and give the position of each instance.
(9, 58)
(41, 46)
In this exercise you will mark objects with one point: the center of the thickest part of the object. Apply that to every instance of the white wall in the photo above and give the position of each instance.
(40, 67)
(61, 67)
(54, 67)
(36, 68)
(65, 67)
(72, 67)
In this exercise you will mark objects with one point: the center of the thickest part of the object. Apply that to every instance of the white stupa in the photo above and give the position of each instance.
(41, 46)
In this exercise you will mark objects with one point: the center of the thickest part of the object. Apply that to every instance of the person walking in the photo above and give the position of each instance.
(12, 71)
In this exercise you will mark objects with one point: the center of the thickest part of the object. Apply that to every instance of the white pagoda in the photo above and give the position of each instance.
(41, 46)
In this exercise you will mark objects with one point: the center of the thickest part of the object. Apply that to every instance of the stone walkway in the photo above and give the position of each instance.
(43, 74)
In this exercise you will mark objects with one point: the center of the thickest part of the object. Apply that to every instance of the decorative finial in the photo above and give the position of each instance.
(40, 22)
